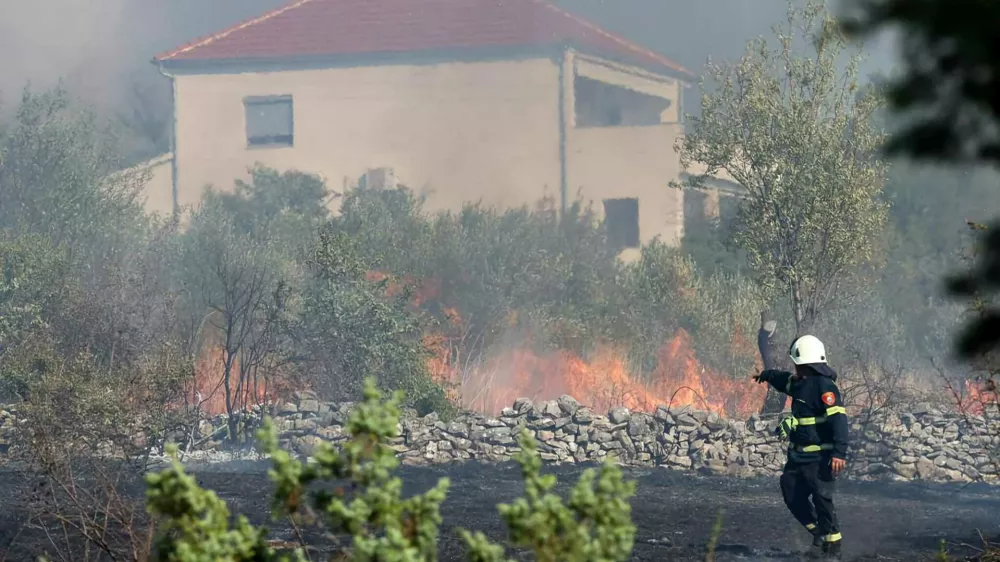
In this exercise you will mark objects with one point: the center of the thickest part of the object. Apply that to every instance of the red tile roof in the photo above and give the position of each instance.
(306, 28)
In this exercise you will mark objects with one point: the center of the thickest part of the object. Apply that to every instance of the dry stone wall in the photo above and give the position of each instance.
(924, 444)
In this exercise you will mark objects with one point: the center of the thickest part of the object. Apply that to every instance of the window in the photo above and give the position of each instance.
(605, 105)
(269, 121)
(621, 223)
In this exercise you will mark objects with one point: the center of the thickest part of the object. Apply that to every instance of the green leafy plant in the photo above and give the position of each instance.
(370, 507)
(595, 524)
(366, 504)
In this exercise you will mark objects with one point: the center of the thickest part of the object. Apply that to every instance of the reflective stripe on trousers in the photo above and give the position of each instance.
(812, 448)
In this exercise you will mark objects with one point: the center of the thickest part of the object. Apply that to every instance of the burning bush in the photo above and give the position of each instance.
(526, 303)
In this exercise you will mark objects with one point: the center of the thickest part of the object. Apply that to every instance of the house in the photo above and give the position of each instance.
(499, 101)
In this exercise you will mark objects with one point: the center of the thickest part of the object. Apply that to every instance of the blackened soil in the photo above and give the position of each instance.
(674, 512)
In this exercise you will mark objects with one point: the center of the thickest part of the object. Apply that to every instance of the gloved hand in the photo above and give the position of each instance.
(761, 377)
(785, 428)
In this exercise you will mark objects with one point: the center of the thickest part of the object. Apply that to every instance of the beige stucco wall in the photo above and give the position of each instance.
(462, 131)
(612, 162)
(158, 192)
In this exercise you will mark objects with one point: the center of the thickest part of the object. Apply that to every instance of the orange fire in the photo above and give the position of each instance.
(601, 381)
(978, 396)
(208, 392)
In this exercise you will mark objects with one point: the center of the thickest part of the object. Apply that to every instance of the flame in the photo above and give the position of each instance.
(206, 390)
(493, 380)
(978, 396)
(602, 382)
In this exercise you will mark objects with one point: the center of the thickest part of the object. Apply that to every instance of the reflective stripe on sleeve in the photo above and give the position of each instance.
(834, 410)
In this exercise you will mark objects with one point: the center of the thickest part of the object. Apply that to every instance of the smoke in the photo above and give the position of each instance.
(690, 31)
(100, 48)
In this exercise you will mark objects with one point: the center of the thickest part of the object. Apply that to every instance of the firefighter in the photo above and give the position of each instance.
(817, 434)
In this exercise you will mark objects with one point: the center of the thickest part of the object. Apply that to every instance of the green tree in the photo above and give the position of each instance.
(288, 206)
(351, 330)
(797, 133)
(61, 177)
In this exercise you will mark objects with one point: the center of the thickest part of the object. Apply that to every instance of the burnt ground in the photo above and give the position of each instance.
(674, 512)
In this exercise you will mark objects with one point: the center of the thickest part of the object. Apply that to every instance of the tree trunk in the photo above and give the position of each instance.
(768, 346)
(774, 402)
(798, 310)
(231, 419)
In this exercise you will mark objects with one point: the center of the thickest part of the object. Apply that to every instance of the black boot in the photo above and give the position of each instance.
(818, 539)
(831, 550)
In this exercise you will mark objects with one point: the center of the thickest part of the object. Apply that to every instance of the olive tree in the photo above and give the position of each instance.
(795, 130)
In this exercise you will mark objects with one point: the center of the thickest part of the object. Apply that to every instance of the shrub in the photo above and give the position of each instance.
(596, 524)
(667, 291)
(367, 505)
(350, 331)
(529, 274)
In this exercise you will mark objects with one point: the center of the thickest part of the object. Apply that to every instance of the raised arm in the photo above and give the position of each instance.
(779, 380)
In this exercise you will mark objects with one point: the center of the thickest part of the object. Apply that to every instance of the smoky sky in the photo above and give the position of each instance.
(100, 47)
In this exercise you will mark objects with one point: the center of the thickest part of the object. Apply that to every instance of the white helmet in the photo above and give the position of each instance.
(807, 350)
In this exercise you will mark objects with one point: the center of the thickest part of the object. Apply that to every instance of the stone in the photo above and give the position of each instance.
(305, 445)
(618, 415)
(715, 423)
(288, 408)
(309, 406)
(905, 470)
(562, 422)
(626, 443)
(686, 420)
(523, 405)
(550, 408)
(926, 468)
(678, 460)
(458, 429)
(713, 467)
(639, 425)
(663, 414)
(546, 435)
(601, 436)
(583, 416)
(542, 423)
(568, 404)
(305, 425)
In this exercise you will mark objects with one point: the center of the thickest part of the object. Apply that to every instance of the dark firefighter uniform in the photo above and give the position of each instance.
(817, 433)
